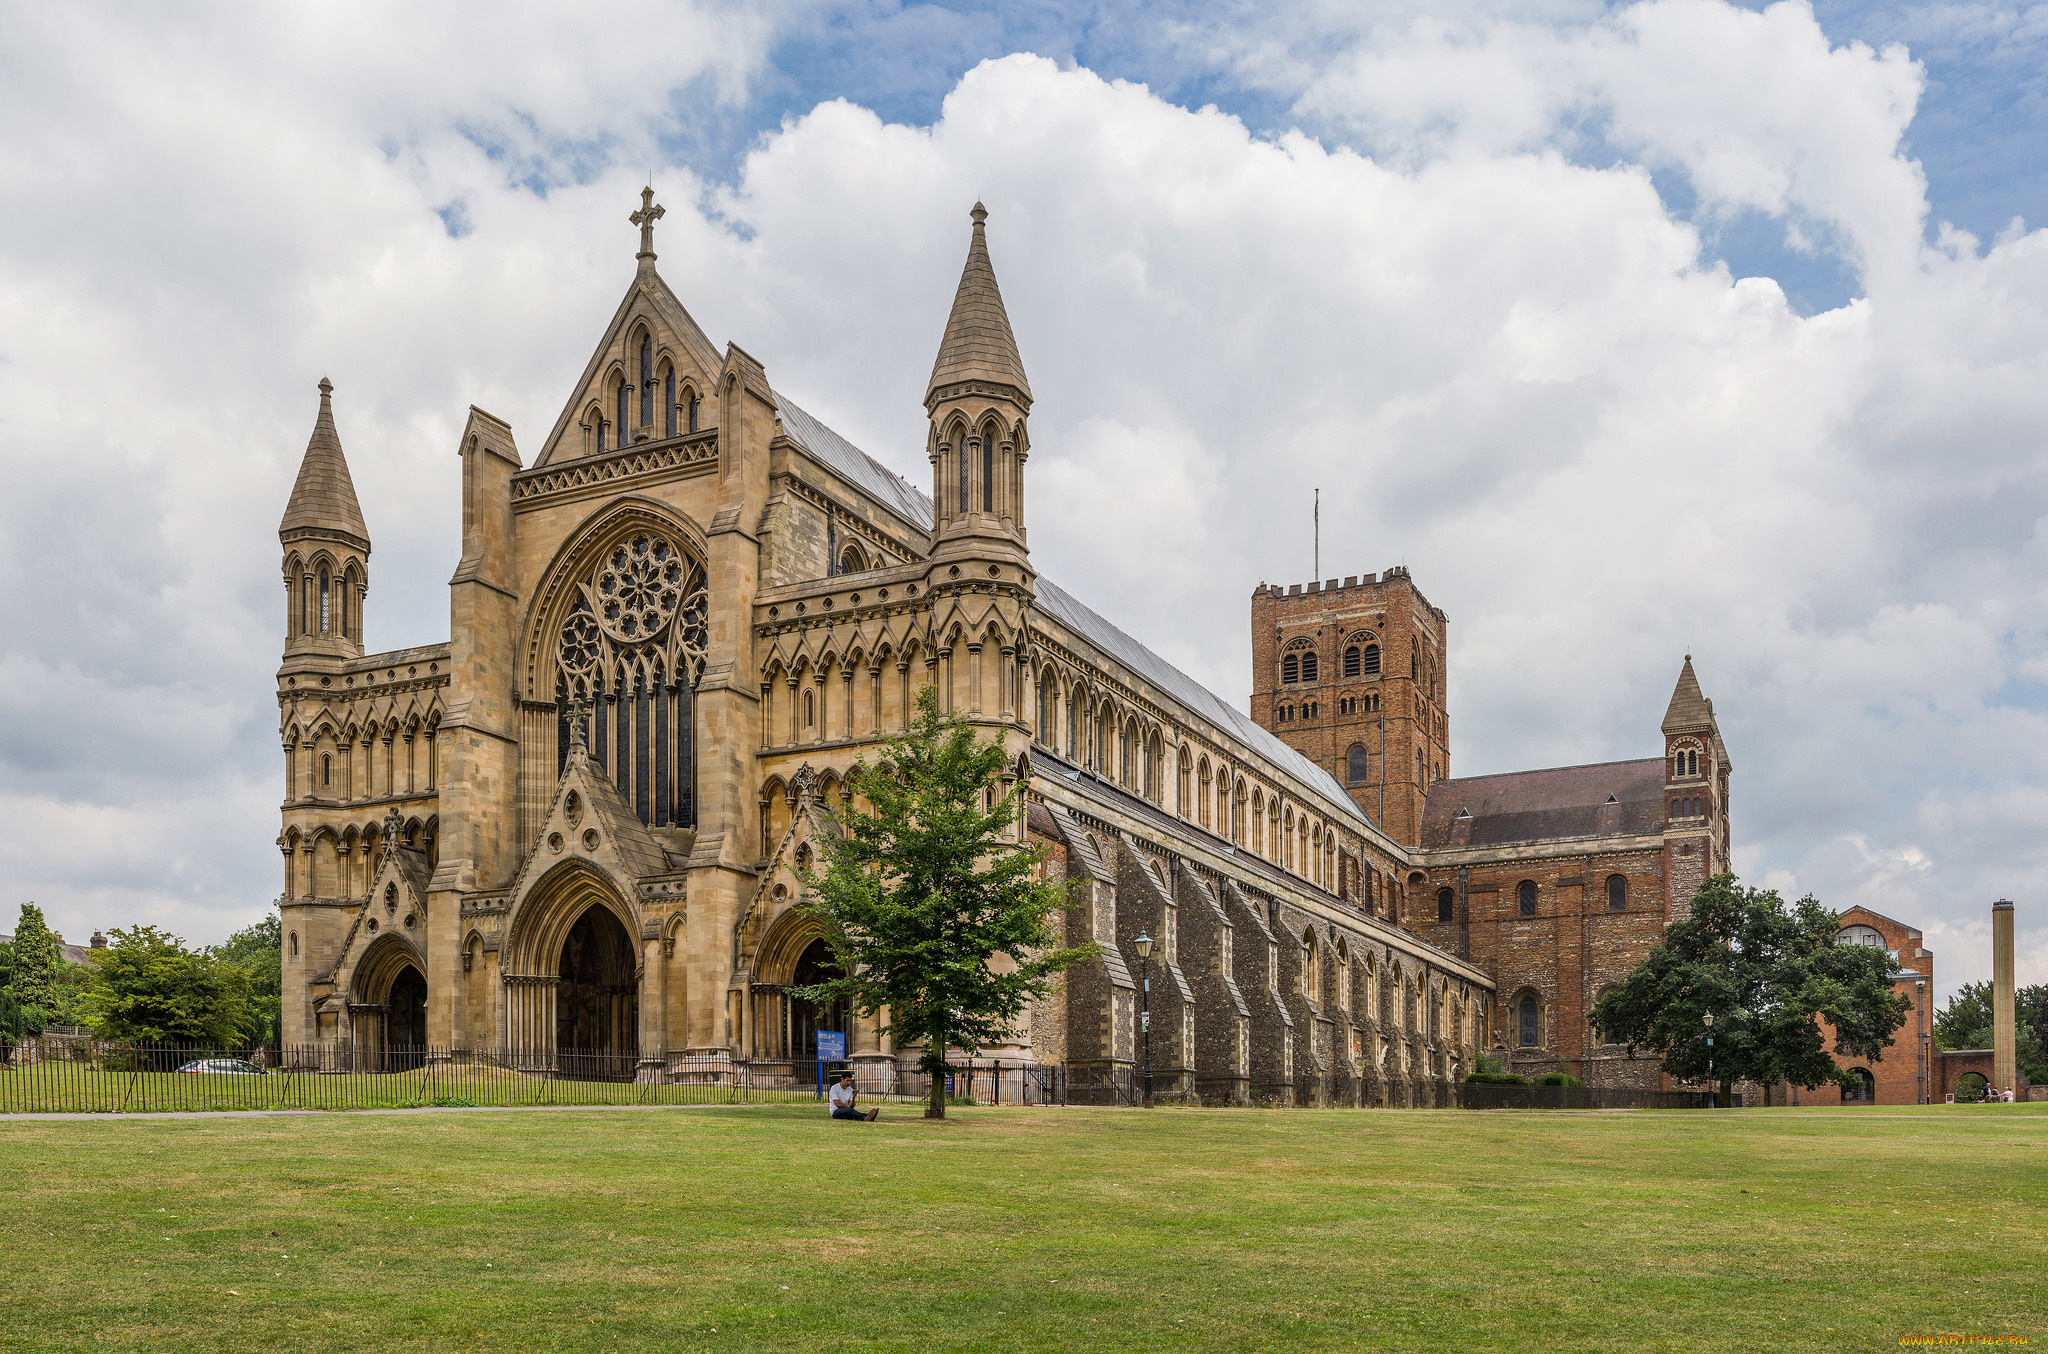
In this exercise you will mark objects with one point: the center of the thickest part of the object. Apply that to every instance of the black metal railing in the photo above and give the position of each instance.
(74, 1074)
(113, 1078)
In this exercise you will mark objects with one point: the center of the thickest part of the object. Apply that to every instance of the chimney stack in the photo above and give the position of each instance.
(2004, 1063)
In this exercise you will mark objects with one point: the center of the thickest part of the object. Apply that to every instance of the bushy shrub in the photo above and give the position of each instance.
(1558, 1079)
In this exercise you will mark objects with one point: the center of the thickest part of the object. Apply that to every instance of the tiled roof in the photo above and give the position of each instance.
(1608, 799)
(1689, 709)
(73, 954)
(978, 344)
(324, 497)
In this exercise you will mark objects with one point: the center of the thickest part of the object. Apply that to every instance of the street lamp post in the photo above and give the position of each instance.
(1713, 1100)
(1144, 947)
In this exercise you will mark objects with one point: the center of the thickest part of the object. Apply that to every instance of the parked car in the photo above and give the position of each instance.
(231, 1065)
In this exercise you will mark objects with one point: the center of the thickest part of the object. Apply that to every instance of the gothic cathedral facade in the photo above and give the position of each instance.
(574, 828)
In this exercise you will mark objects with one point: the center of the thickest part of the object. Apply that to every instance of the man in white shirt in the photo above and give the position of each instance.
(843, 1096)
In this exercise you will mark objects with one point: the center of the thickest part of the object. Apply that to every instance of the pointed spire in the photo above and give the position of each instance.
(1689, 709)
(324, 498)
(978, 345)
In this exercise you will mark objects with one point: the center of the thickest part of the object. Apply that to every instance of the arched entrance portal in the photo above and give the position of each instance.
(597, 1002)
(815, 965)
(405, 1019)
(571, 977)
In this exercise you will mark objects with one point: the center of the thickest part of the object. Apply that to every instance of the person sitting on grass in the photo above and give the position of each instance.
(843, 1096)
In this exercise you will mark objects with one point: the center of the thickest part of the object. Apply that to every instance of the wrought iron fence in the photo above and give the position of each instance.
(112, 1078)
(1482, 1096)
(77, 1074)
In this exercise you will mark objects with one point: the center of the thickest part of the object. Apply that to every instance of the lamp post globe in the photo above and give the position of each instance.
(1143, 944)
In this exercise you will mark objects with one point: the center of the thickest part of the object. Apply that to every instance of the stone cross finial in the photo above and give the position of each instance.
(649, 213)
(576, 711)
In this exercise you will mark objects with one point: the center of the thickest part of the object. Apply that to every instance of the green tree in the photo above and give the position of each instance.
(921, 895)
(258, 951)
(1966, 1023)
(17, 1021)
(150, 989)
(1765, 972)
(37, 961)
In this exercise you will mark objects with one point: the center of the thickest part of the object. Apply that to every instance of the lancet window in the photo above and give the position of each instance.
(646, 379)
(631, 653)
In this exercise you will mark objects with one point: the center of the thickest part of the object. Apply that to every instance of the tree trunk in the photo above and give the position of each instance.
(937, 1108)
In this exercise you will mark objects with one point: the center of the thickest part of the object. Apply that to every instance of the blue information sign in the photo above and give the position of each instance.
(831, 1046)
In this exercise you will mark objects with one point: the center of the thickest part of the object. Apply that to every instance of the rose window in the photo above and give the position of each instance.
(640, 586)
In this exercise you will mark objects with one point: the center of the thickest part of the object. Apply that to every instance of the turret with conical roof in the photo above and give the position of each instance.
(1695, 790)
(977, 401)
(980, 581)
(326, 547)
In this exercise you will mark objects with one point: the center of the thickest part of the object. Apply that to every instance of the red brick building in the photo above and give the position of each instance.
(1555, 883)
(1909, 1073)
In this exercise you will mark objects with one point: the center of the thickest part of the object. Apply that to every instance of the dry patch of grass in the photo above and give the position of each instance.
(1027, 1229)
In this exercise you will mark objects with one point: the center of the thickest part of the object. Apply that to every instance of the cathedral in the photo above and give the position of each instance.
(574, 825)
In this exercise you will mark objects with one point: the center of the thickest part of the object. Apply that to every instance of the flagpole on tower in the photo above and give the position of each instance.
(1319, 536)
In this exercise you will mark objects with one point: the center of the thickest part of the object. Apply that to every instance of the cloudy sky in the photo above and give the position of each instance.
(1632, 330)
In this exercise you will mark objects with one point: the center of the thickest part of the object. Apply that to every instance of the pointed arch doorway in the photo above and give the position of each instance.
(597, 1002)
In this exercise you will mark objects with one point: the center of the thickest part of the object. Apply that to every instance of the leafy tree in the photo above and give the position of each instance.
(149, 988)
(1764, 971)
(1966, 1023)
(17, 1021)
(921, 895)
(37, 961)
(258, 951)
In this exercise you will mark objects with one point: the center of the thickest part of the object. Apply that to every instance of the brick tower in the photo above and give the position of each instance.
(1695, 791)
(1352, 676)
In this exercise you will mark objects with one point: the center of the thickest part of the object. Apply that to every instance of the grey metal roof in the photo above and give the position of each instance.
(907, 501)
(1061, 605)
(890, 489)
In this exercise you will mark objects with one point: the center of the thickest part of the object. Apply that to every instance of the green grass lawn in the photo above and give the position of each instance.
(1000, 1229)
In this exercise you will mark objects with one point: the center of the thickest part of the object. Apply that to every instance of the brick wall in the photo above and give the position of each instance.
(1394, 715)
(1572, 950)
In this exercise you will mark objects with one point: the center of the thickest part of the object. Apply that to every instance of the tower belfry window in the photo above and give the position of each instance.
(1290, 668)
(668, 402)
(326, 604)
(966, 461)
(1308, 667)
(988, 474)
(625, 409)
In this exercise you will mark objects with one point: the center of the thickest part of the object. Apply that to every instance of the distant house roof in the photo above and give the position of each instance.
(73, 954)
(1607, 799)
